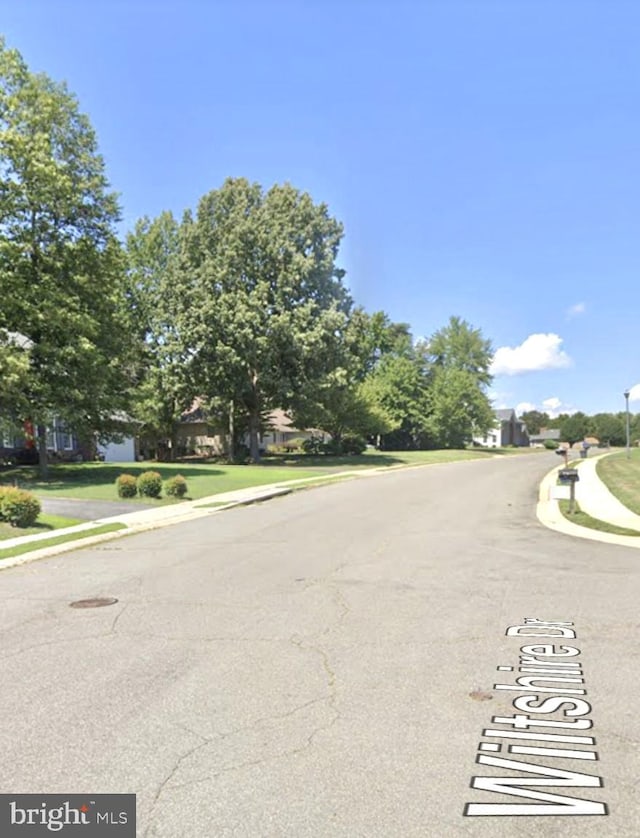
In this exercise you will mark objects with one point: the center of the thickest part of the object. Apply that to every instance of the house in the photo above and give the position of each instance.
(281, 431)
(18, 443)
(508, 430)
(197, 435)
(538, 440)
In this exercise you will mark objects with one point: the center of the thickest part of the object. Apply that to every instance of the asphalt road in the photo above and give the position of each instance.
(324, 664)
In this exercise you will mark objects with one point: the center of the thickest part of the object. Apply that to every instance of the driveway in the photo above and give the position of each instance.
(89, 510)
(327, 665)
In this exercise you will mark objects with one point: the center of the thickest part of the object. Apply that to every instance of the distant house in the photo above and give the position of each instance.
(198, 435)
(508, 430)
(18, 443)
(281, 430)
(538, 440)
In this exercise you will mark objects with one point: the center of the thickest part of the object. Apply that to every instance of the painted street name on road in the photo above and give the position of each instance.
(549, 696)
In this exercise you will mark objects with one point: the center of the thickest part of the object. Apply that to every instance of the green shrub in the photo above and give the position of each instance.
(18, 508)
(551, 444)
(353, 444)
(313, 445)
(150, 484)
(332, 447)
(126, 486)
(276, 449)
(175, 487)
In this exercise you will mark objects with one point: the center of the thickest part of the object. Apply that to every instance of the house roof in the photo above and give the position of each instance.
(504, 414)
(551, 433)
(196, 413)
(279, 421)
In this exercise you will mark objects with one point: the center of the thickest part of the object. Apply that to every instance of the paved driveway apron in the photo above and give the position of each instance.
(325, 665)
(89, 510)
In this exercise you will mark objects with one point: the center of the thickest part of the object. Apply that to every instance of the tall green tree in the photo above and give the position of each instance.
(61, 266)
(349, 397)
(459, 409)
(535, 420)
(459, 346)
(160, 363)
(459, 406)
(265, 297)
(608, 427)
(14, 369)
(574, 427)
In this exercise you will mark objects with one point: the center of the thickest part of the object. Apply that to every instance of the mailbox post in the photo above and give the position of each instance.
(570, 476)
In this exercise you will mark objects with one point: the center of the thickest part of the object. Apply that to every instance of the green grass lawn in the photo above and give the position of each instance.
(583, 520)
(622, 477)
(20, 549)
(45, 523)
(96, 481)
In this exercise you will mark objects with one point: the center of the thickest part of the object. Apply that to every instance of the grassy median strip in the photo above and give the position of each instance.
(45, 523)
(32, 546)
(583, 520)
(621, 476)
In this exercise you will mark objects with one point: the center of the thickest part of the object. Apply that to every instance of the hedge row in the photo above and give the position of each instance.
(149, 485)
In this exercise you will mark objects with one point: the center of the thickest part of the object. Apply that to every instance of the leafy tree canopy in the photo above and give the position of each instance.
(60, 262)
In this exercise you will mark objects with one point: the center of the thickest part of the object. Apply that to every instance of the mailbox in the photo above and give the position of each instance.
(568, 475)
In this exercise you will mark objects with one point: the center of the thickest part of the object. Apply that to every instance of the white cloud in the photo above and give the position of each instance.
(537, 352)
(551, 404)
(554, 407)
(575, 310)
(524, 407)
(634, 393)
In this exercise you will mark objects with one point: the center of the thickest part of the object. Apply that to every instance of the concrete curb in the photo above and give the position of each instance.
(549, 514)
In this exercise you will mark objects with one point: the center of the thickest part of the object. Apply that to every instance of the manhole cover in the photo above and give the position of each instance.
(96, 602)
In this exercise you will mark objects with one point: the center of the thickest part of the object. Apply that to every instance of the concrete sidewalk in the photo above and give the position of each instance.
(594, 498)
(148, 518)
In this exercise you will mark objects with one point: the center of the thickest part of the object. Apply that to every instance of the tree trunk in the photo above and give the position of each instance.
(254, 430)
(173, 443)
(232, 432)
(43, 460)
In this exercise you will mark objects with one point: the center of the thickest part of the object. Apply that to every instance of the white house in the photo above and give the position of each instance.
(508, 430)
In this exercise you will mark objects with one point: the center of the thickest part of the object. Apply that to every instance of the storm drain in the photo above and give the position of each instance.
(96, 602)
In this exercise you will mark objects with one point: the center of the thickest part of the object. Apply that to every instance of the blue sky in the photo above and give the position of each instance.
(483, 156)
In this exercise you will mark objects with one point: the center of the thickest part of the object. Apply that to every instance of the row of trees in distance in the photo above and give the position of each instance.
(608, 428)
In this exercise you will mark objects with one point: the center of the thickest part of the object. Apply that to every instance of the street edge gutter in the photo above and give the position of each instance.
(549, 515)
